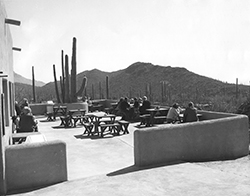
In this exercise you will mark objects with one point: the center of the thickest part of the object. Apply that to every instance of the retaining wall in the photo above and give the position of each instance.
(226, 137)
(34, 165)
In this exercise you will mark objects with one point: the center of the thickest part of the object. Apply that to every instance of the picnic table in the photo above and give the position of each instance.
(21, 137)
(72, 117)
(59, 110)
(102, 120)
(155, 112)
(77, 115)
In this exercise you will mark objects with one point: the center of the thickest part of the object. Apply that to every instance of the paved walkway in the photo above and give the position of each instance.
(105, 166)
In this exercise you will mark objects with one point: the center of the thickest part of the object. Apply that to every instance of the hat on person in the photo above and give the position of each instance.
(26, 110)
(176, 105)
(191, 104)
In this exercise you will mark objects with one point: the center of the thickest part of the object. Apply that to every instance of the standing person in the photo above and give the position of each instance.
(27, 121)
(145, 105)
(190, 114)
(173, 114)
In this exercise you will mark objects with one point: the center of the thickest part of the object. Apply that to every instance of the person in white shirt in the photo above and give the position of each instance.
(173, 114)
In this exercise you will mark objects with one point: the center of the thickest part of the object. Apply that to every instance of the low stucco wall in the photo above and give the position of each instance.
(42, 108)
(217, 139)
(39, 109)
(35, 165)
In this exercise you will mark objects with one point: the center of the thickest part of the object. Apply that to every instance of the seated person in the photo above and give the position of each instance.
(145, 105)
(136, 112)
(173, 114)
(27, 121)
(24, 103)
(190, 114)
(124, 109)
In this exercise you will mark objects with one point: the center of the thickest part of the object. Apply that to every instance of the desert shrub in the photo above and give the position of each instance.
(228, 104)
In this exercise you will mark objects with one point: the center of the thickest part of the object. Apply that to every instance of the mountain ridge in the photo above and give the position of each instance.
(141, 79)
(20, 79)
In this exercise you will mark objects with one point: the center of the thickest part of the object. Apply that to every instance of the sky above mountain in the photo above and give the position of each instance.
(209, 37)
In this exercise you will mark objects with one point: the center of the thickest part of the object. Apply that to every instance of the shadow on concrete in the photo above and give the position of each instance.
(134, 168)
(93, 137)
(45, 121)
(144, 126)
(63, 127)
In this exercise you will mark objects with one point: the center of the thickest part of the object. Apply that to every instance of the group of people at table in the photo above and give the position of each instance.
(129, 110)
(134, 108)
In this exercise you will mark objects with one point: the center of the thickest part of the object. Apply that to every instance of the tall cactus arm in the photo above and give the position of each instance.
(83, 87)
(67, 80)
(63, 78)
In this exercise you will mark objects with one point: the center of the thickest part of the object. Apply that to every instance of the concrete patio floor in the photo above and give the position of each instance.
(105, 166)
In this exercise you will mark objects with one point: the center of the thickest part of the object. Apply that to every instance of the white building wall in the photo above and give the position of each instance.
(6, 66)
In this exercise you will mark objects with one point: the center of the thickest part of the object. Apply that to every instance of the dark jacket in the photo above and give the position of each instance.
(27, 123)
(190, 115)
(145, 105)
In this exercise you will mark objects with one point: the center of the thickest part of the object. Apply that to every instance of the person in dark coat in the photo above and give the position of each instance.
(124, 107)
(190, 114)
(27, 121)
(145, 105)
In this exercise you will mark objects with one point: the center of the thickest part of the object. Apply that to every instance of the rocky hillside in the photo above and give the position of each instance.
(145, 79)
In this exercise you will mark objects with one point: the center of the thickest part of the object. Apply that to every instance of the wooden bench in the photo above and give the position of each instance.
(145, 120)
(88, 128)
(21, 137)
(159, 119)
(116, 127)
(124, 126)
(65, 121)
(76, 119)
(77, 115)
(50, 116)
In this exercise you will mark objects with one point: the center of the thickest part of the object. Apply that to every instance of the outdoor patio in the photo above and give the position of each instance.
(105, 166)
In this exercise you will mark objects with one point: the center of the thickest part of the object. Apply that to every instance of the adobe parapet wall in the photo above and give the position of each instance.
(35, 165)
(219, 136)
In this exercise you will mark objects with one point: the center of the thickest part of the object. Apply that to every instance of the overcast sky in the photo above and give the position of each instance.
(208, 37)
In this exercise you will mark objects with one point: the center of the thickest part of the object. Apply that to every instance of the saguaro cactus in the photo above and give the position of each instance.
(33, 85)
(63, 78)
(107, 87)
(56, 87)
(73, 72)
(67, 81)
